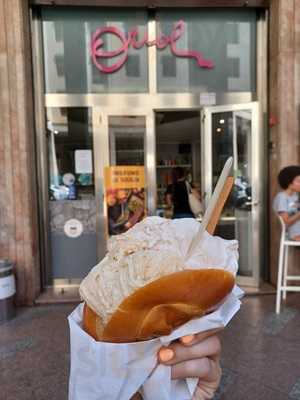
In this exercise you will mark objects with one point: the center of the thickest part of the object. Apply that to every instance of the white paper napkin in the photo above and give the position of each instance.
(108, 371)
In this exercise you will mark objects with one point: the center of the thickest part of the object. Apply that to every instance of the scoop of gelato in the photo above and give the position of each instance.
(153, 248)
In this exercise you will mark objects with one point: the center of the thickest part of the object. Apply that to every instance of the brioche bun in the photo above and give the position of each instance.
(161, 306)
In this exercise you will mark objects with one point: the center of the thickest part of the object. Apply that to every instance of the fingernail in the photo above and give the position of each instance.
(187, 339)
(166, 355)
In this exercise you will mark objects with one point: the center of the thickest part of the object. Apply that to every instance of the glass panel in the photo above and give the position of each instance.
(72, 204)
(126, 140)
(68, 38)
(177, 145)
(231, 135)
(225, 37)
(125, 178)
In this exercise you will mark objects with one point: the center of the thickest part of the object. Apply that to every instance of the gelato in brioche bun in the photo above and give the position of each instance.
(146, 285)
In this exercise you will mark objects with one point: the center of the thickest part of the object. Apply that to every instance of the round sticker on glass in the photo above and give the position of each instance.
(68, 179)
(73, 228)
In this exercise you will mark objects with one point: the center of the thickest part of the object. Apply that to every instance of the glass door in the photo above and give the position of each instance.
(234, 131)
(127, 178)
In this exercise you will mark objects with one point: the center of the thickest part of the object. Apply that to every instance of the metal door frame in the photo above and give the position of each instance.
(257, 153)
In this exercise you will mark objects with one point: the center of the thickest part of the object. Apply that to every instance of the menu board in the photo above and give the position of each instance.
(124, 196)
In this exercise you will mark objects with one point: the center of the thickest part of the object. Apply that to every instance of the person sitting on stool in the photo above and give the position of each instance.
(286, 203)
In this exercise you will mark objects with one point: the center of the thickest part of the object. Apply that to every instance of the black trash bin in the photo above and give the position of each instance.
(7, 291)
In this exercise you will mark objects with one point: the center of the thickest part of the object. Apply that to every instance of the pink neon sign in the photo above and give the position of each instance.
(131, 40)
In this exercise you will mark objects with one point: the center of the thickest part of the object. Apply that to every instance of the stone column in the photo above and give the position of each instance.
(18, 185)
(284, 106)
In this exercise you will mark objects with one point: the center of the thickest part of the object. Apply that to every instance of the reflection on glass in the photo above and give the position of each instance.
(67, 40)
(72, 205)
(232, 137)
(177, 145)
(126, 140)
(226, 37)
(70, 145)
(125, 188)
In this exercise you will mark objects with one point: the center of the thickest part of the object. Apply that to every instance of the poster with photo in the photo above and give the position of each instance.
(125, 197)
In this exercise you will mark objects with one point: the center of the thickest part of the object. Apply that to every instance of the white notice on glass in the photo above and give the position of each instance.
(83, 162)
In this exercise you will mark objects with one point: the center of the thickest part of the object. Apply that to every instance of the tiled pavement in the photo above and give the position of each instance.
(261, 353)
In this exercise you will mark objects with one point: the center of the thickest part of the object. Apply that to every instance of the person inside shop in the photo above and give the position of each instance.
(177, 194)
(286, 202)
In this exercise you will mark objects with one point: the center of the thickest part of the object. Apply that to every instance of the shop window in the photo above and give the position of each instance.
(127, 140)
(71, 204)
(214, 50)
(98, 79)
(232, 34)
(71, 174)
(225, 41)
(59, 62)
(168, 66)
(133, 66)
(58, 28)
(69, 35)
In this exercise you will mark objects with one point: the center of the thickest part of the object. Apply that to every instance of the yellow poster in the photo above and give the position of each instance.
(125, 197)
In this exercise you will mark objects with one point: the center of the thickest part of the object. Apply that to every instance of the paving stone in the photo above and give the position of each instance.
(260, 353)
(10, 349)
(276, 323)
(228, 378)
(295, 392)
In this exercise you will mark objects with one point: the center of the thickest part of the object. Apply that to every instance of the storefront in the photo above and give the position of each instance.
(153, 88)
(140, 88)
